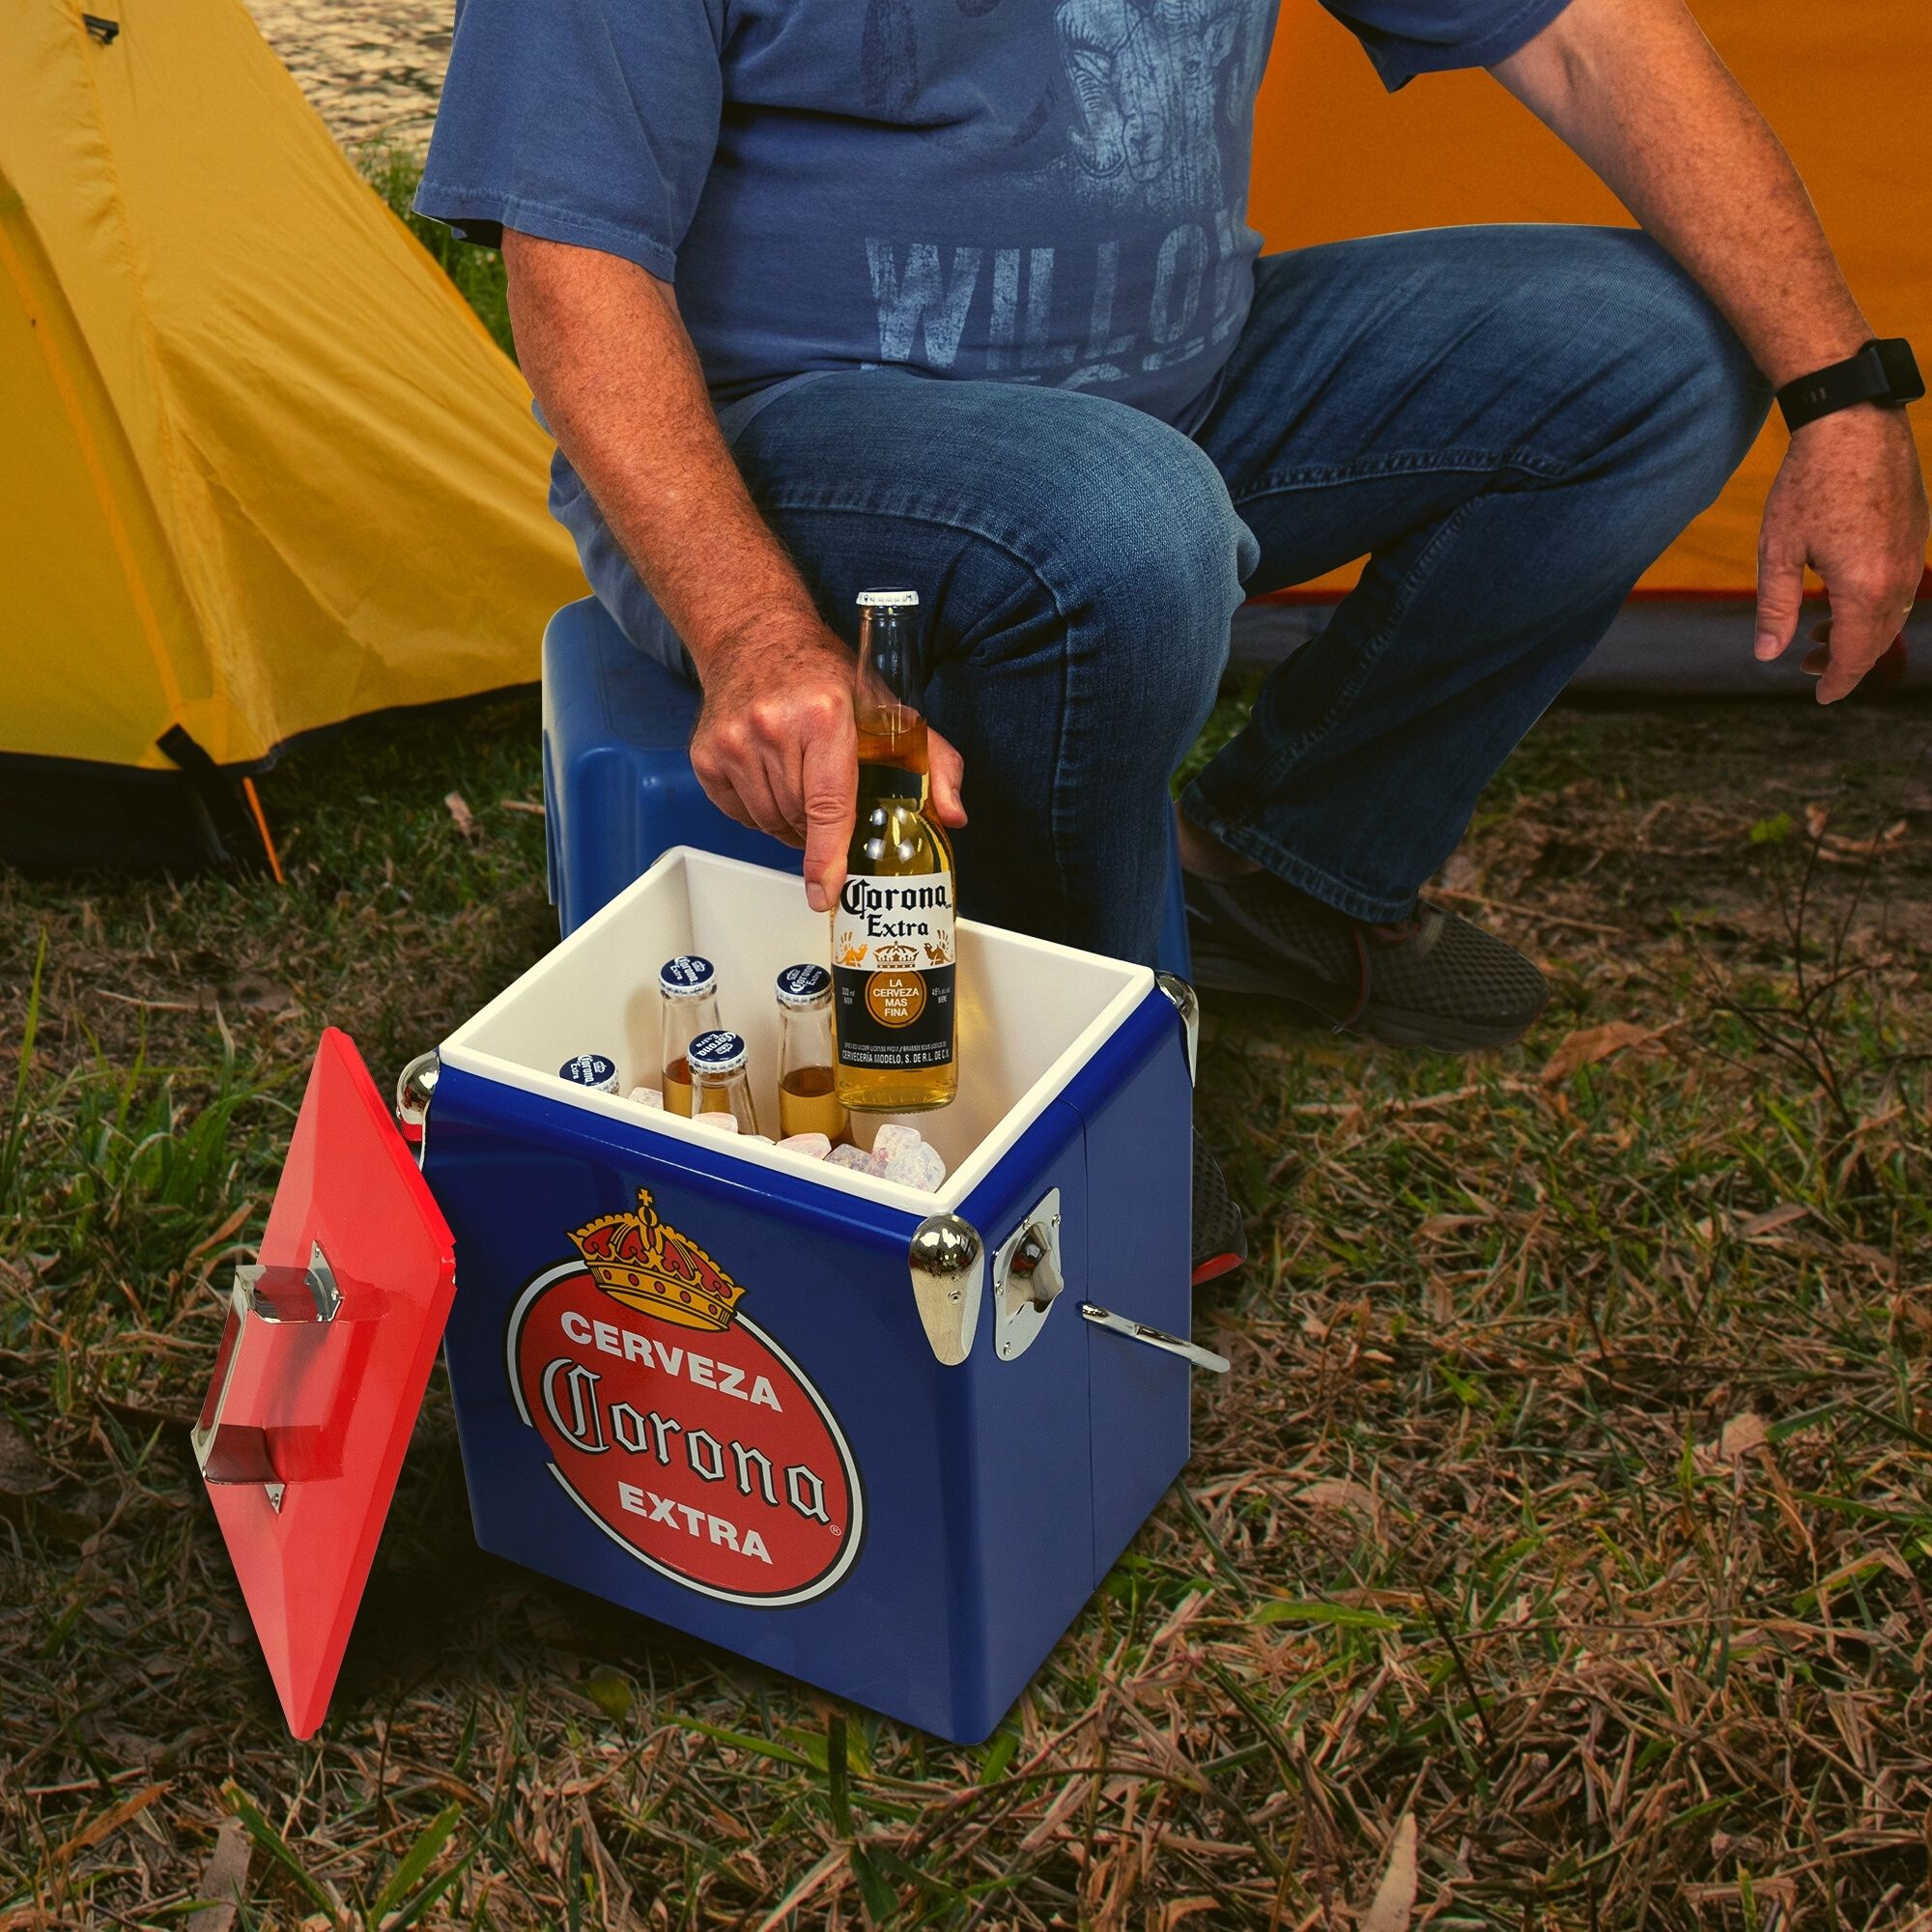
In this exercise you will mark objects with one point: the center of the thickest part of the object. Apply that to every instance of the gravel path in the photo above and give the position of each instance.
(374, 67)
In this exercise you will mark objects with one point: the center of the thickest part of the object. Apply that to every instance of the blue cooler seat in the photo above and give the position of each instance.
(618, 788)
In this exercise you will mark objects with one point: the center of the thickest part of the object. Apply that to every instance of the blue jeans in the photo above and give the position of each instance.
(1511, 423)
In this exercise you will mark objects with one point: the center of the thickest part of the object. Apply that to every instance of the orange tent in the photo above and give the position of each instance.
(1843, 85)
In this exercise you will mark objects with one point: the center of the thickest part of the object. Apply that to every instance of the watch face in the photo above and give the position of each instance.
(1902, 381)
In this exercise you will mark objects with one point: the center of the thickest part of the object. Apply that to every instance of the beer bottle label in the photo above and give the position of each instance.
(891, 970)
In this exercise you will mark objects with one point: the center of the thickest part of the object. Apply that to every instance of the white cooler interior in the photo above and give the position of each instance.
(1030, 1015)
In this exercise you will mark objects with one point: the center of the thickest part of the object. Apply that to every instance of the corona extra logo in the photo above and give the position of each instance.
(637, 1260)
(895, 956)
(675, 1424)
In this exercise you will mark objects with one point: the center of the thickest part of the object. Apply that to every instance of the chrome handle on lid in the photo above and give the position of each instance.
(1156, 1338)
(278, 1294)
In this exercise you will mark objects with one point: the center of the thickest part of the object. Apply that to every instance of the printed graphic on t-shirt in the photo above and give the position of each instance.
(1156, 99)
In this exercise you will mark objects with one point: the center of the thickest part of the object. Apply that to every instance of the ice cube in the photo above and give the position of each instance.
(919, 1166)
(891, 1140)
(648, 1097)
(723, 1124)
(814, 1147)
(857, 1159)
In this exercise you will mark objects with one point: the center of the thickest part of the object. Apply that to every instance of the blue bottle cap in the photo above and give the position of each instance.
(686, 977)
(716, 1052)
(595, 1070)
(803, 986)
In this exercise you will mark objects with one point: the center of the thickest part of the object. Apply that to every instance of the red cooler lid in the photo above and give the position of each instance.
(323, 1361)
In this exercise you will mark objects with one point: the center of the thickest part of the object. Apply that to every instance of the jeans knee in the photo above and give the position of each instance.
(1709, 399)
(1148, 555)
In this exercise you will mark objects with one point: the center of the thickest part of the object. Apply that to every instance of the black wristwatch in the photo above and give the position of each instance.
(1881, 372)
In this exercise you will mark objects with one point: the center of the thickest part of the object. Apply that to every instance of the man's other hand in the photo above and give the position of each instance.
(776, 747)
(1850, 502)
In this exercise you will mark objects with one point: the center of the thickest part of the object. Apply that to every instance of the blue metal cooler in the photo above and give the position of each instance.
(886, 1441)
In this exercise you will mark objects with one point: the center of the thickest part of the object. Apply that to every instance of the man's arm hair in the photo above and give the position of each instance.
(605, 353)
(1634, 88)
(608, 356)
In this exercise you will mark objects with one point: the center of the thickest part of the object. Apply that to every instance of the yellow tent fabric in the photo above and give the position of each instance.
(261, 468)
(1843, 85)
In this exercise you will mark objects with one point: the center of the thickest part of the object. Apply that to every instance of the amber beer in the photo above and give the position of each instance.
(893, 928)
(808, 1086)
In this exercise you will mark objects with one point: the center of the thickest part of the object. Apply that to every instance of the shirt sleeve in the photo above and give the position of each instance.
(1405, 37)
(588, 121)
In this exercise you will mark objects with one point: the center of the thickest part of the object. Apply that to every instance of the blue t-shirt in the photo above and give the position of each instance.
(1028, 190)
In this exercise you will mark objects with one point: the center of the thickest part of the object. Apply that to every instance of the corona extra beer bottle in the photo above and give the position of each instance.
(718, 1080)
(808, 1087)
(688, 986)
(891, 930)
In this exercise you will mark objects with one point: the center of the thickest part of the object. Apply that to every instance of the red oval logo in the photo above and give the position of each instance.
(676, 1424)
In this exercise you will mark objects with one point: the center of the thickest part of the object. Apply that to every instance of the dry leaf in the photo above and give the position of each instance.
(1338, 1492)
(22, 1473)
(1740, 1436)
(1180, 1910)
(254, 994)
(458, 809)
(1394, 1903)
(1772, 1219)
(1593, 1044)
(111, 1821)
(224, 1879)
(1888, 840)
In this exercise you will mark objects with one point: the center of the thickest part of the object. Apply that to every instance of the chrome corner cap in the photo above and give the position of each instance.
(1188, 1003)
(948, 1262)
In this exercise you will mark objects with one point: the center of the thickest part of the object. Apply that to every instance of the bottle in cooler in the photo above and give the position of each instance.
(808, 1086)
(718, 1080)
(689, 987)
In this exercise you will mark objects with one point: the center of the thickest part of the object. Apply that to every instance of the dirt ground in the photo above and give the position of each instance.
(1555, 1555)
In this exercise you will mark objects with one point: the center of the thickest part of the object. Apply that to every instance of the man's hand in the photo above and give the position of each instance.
(776, 747)
(1849, 501)
(1638, 90)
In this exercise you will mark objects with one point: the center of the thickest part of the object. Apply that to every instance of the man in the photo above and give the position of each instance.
(966, 301)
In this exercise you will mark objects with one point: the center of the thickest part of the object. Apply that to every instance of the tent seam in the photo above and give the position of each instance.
(103, 490)
(222, 698)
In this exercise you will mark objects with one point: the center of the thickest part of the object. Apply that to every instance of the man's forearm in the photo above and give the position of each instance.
(1640, 93)
(604, 352)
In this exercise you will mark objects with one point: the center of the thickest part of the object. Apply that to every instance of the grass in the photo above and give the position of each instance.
(1569, 1498)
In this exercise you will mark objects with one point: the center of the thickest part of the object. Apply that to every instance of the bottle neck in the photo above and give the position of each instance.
(685, 1019)
(722, 1094)
(808, 1037)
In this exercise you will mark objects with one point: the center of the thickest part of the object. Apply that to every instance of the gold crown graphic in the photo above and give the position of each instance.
(895, 955)
(637, 1260)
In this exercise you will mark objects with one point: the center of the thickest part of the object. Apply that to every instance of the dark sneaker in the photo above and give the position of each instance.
(1435, 981)
(1220, 1241)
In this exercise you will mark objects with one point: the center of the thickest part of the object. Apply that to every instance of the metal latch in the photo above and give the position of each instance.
(1028, 1277)
(1156, 1338)
(277, 1295)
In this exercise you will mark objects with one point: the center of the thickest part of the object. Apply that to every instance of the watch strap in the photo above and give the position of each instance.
(1882, 372)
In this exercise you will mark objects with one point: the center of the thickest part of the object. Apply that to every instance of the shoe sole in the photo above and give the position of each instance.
(1215, 1267)
(1220, 970)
